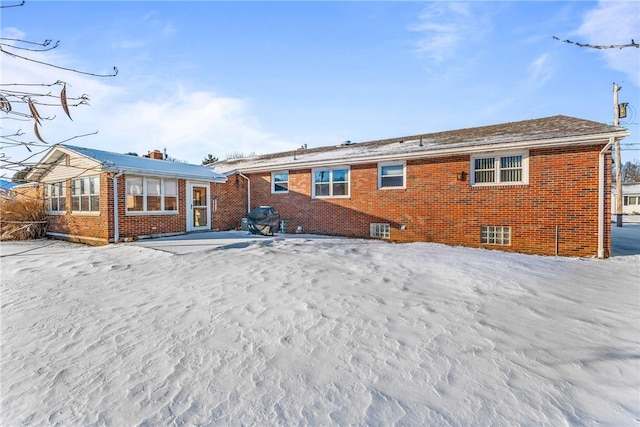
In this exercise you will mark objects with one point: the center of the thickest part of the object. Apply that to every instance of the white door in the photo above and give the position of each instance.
(198, 202)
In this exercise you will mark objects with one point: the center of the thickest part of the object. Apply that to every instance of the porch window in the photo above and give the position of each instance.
(85, 194)
(170, 195)
(500, 169)
(55, 197)
(146, 194)
(331, 182)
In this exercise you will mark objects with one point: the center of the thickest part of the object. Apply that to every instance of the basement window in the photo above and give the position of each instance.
(495, 235)
(379, 230)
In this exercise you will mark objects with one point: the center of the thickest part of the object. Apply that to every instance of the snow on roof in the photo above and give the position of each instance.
(549, 128)
(116, 162)
(628, 187)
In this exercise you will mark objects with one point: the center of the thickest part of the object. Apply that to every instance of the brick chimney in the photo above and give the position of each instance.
(156, 154)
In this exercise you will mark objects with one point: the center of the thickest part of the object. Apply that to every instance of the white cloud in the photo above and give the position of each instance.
(189, 124)
(445, 26)
(540, 71)
(134, 115)
(615, 23)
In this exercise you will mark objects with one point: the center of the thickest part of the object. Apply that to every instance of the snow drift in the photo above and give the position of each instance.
(305, 330)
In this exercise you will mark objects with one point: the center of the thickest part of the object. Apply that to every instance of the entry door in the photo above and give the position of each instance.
(199, 200)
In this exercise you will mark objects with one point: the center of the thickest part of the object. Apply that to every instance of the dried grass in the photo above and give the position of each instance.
(22, 219)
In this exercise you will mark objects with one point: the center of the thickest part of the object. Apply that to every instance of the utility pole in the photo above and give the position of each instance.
(618, 159)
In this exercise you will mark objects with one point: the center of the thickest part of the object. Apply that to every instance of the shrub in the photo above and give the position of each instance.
(22, 218)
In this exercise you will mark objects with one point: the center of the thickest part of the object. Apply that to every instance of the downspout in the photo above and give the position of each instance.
(248, 190)
(601, 196)
(116, 220)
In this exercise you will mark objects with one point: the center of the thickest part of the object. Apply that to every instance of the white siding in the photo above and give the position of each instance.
(77, 166)
(628, 190)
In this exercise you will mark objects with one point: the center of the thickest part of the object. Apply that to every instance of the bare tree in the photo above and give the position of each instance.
(21, 103)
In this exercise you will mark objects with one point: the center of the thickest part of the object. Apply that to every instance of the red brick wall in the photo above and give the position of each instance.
(91, 225)
(436, 207)
(101, 226)
(232, 203)
(132, 226)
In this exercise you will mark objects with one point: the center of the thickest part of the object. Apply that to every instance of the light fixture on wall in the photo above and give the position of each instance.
(461, 176)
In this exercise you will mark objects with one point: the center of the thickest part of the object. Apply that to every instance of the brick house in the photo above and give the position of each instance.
(97, 197)
(538, 186)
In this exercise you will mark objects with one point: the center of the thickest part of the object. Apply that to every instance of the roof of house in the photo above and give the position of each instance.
(550, 131)
(7, 185)
(115, 162)
(628, 187)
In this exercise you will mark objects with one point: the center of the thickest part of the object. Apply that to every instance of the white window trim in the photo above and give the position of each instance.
(48, 199)
(625, 200)
(89, 212)
(497, 155)
(331, 196)
(402, 163)
(273, 182)
(144, 194)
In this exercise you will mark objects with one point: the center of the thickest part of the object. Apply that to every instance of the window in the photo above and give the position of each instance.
(85, 194)
(631, 200)
(500, 169)
(280, 182)
(170, 195)
(379, 231)
(152, 194)
(495, 235)
(55, 197)
(391, 175)
(331, 182)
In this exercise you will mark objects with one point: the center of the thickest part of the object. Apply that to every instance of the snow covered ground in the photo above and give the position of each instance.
(310, 330)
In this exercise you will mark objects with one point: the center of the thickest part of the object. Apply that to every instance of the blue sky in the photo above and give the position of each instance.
(219, 78)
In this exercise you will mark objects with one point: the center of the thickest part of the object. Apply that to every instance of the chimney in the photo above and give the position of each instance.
(156, 154)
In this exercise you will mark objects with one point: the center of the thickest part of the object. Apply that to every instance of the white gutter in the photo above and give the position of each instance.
(116, 219)
(163, 174)
(248, 190)
(601, 196)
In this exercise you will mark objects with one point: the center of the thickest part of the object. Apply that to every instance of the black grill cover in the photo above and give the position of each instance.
(263, 220)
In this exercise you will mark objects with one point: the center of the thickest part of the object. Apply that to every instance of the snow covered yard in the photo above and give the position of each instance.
(306, 330)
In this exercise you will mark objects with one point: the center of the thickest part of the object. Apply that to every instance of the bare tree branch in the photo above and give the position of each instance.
(45, 44)
(115, 70)
(23, 102)
(13, 5)
(598, 46)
